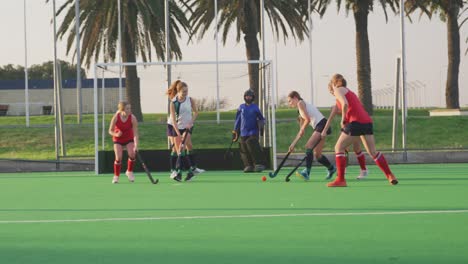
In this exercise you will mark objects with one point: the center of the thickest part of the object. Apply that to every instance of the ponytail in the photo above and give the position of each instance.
(295, 94)
(175, 88)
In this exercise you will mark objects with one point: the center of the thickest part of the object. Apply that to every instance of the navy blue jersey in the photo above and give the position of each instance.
(246, 120)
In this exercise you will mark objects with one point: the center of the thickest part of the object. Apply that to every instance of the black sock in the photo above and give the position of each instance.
(173, 160)
(325, 162)
(191, 157)
(309, 159)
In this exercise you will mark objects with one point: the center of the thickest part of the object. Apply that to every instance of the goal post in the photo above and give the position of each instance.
(216, 86)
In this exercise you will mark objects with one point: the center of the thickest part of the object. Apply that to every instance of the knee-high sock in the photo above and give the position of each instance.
(361, 159)
(180, 162)
(340, 160)
(130, 164)
(382, 163)
(191, 157)
(309, 158)
(173, 160)
(187, 163)
(325, 162)
(117, 166)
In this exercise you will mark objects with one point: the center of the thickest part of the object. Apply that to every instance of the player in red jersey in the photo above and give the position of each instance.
(124, 131)
(355, 123)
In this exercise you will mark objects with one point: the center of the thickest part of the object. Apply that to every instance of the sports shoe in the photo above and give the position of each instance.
(190, 176)
(130, 176)
(331, 172)
(115, 179)
(392, 179)
(337, 183)
(198, 171)
(248, 169)
(363, 174)
(177, 177)
(304, 174)
(259, 167)
(173, 174)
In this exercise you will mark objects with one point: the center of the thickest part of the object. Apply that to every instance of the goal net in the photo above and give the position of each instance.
(217, 88)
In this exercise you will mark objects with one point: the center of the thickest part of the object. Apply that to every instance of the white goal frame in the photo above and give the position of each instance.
(269, 112)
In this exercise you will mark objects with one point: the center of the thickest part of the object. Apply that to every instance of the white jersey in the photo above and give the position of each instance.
(183, 112)
(314, 114)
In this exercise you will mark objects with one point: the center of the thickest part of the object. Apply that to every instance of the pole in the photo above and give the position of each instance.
(168, 44)
(404, 112)
(26, 78)
(119, 25)
(78, 63)
(217, 60)
(57, 156)
(309, 12)
(103, 104)
(396, 104)
(96, 124)
(63, 151)
(261, 91)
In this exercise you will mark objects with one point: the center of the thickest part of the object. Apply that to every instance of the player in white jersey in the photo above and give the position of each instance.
(183, 112)
(310, 115)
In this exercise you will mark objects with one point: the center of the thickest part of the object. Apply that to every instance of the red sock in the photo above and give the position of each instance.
(362, 160)
(117, 166)
(382, 163)
(340, 161)
(130, 164)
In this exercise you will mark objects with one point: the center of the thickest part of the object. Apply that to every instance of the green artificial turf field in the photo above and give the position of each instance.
(231, 217)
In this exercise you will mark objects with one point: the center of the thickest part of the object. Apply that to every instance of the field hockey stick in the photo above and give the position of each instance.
(148, 173)
(295, 168)
(182, 147)
(275, 173)
(229, 151)
(300, 163)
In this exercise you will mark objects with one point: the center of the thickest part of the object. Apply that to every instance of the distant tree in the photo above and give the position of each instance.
(360, 10)
(243, 17)
(449, 11)
(42, 71)
(143, 27)
(206, 104)
(283, 102)
(11, 72)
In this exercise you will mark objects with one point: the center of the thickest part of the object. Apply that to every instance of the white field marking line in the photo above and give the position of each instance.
(229, 216)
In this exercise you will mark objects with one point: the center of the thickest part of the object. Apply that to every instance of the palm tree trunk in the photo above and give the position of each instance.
(453, 39)
(250, 29)
(253, 53)
(361, 13)
(132, 83)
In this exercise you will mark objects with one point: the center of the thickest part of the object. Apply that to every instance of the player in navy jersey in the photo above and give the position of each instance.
(248, 126)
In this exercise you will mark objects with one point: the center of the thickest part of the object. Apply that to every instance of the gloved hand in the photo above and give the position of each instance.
(235, 136)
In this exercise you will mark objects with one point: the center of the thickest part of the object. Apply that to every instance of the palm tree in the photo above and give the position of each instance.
(449, 11)
(361, 10)
(142, 30)
(284, 16)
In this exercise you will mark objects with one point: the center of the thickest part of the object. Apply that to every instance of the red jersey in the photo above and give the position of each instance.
(356, 112)
(125, 127)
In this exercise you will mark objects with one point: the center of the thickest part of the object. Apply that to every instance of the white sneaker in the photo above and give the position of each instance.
(130, 176)
(198, 171)
(115, 179)
(173, 174)
(363, 175)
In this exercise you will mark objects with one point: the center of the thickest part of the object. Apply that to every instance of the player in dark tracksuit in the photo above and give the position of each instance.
(248, 125)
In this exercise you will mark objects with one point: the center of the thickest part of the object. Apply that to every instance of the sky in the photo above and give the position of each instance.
(333, 40)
